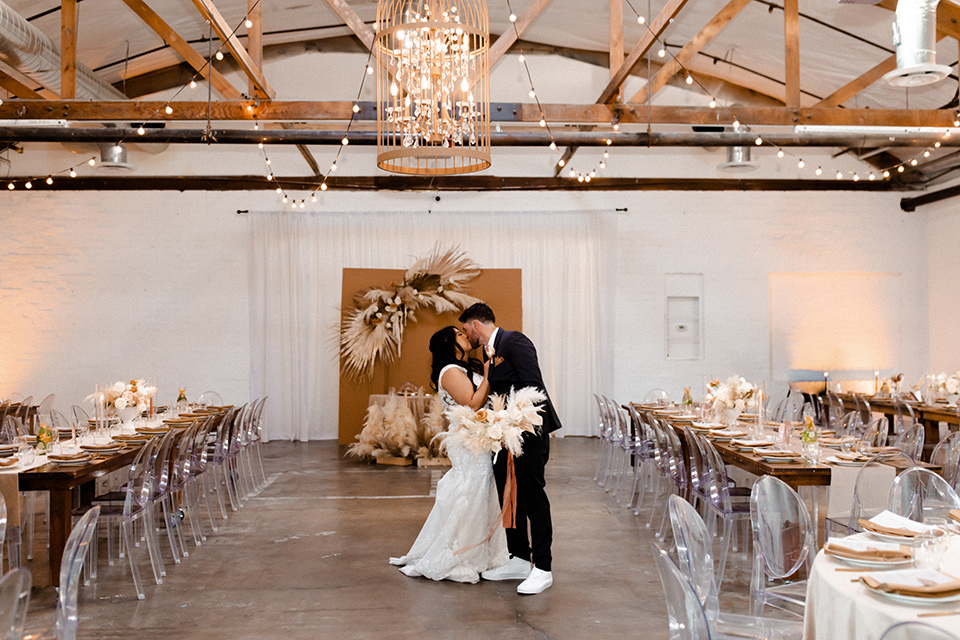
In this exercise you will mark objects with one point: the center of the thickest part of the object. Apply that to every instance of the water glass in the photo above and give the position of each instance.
(810, 452)
(929, 549)
(848, 444)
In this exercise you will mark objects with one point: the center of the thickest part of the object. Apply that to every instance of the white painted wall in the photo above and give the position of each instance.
(943, 265)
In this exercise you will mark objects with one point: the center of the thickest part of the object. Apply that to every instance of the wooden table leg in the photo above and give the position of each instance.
(61, 504)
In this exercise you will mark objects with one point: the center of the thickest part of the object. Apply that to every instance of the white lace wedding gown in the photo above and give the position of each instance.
(465, 511)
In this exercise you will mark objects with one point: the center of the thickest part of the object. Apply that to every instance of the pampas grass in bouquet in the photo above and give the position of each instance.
(434, 422)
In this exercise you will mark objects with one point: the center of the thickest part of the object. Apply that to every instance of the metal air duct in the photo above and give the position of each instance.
(29, 51)
(915, 36)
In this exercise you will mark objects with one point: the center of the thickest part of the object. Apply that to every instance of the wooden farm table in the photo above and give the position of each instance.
(70, 487)
(928, 415)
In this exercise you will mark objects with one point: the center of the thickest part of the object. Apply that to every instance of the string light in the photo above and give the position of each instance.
(49, 180)
(193, 83)
(779, 153)
(758, 141)
(11, 186)
(800, 164)
(839, 175)
(323, 186)
(913, 162)
(856, 177)
(871, 176)
(886, 174)
(141, 130)
(167, 109)
(219, 55)
(248, 23)
(900, 169)
(689, 79)
(819, 171)
(641, 20)
(28, 185)
(92, 162)
(513, 17)
(73, 173)
(662, 52)
(713, 103)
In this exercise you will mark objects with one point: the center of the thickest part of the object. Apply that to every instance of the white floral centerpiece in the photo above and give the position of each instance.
(120, 396)
(727, 400)
(890, 387)
(501, 425)
(946, 387)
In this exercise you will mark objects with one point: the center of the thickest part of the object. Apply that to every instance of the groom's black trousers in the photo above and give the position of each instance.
(533, 506)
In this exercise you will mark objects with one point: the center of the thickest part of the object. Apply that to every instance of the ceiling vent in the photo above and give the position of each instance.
(738, 161)
(915, 36)
(113, 157)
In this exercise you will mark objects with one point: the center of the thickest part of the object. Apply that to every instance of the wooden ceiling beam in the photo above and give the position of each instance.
(17, 88)
(232, 43)
(560, 114)
(360, 28)
(697, 43)
(183, 49)
(616, 40)
(255, 39)
(506, 40)
(654, 31)
(791, 51)
(68, 49)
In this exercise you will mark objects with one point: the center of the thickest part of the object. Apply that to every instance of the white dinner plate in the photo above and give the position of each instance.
(775, 459)
(916, 600)
(873, 564)
(886, 537)
(70, 463)
(844, 463)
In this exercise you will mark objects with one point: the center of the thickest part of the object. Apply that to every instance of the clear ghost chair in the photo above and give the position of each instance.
(14, 601)
(783, 544)
(867, 501)
(904, 415)
(920, 494)
(642, 456)
(687, 619)
(208, 398)
(850, 424)
(916, 631)
(624, 449)
(695, 466)
(946, 455)
(861, 406)
(658, 396)
(46, 406)
(834, 412)
(601, 433)
(875, 433)
(675, 468)
(611, 440)
(910, 440)
(725, 501)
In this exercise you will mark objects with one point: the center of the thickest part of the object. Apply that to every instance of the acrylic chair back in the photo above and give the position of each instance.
(946, 455)
(695, 464)
(694, 551)
(658, 396)
(875, 433)
(867, 501)
(139, 487)
(783, 533)
(834, 410)
(74, 553)
(910, 439)
(686, 617)
(920, 494)
(862, 407)
(14, 600)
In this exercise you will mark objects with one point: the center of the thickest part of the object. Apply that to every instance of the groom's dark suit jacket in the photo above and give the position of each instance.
(515, 366)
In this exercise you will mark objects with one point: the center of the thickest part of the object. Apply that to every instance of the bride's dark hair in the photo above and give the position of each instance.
(445, 350)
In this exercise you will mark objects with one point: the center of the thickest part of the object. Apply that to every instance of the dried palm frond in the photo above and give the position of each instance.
(373, 329)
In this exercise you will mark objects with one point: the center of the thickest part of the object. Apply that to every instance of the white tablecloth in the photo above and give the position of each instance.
(840, 609)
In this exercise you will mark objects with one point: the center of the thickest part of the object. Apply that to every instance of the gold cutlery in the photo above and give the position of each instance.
(933, 614)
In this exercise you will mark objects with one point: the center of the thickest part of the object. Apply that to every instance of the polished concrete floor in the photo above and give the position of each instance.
(306, 557)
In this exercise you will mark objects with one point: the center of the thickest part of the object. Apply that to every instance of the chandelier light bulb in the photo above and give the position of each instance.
(580, 178)
(592, 174)
(464, 85)
(800, 164)
(394, 89)
(141, 130)
(602, 165)
(616, 126)
(260, 145)
(641, 20)
(573, 173)
(284, 199)
(819, 171)
(609, 142)
(323, 186)
(946, 134)
(218, 55)
(513, 17)
(248, 23)
(587, 178)
(73, 173)
(779, 153)
(256, 126)
(49, 180)
(956, 123)
(268, 162)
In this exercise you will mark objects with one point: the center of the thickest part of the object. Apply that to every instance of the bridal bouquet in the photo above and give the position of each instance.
(501, 425)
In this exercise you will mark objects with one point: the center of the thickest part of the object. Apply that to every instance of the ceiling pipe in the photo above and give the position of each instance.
(915, 36)
(501, 139)
(31, 52)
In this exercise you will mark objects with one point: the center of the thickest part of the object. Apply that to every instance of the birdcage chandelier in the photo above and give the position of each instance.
(433, 86)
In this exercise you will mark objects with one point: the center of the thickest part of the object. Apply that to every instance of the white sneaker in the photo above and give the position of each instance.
(538, 581)
(514, 569)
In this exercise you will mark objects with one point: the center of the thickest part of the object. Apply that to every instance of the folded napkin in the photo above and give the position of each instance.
(750, 443)
(865, 551)
(881, 450)
(852, 457)
(955, 515)
(891, 524)
(100, 447)
(773, 453)
(67, 457)
(928, 590)
(829, 440)
(8, 462)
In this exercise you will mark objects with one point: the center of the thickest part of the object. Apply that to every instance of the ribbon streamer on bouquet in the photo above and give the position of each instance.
(508, 514)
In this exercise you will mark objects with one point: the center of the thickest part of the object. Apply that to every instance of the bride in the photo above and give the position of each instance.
(455, 542)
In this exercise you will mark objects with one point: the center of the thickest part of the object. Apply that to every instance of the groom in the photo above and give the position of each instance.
(515, 366)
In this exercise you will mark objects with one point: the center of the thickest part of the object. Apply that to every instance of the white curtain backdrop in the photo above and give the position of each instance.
(295, 291)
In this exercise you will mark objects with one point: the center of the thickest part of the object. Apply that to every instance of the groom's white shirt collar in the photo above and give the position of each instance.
(493, 337)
